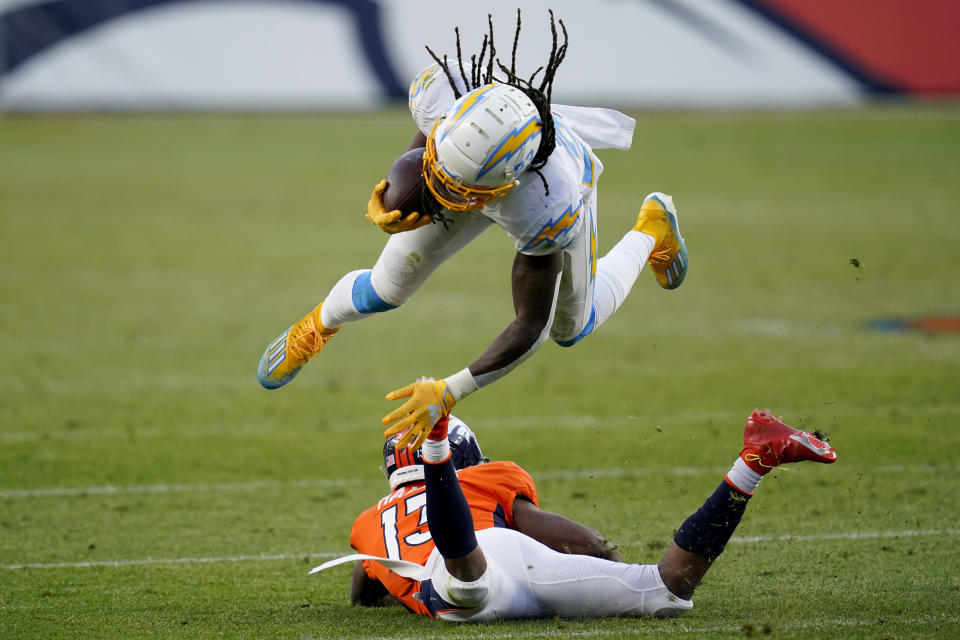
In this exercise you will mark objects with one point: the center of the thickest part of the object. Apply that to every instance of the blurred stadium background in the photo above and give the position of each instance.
(179, 180)
(306, 54)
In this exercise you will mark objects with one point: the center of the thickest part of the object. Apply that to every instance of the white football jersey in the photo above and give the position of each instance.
(542, 220)
(539, 221)
(430, 97)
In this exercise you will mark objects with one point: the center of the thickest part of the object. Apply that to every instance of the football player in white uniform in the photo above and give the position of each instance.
(497, 153)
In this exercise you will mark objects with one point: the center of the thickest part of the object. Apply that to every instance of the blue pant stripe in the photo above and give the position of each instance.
(365, 299)
(587, 330)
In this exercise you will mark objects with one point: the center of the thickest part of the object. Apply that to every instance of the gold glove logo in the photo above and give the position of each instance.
(437, 411)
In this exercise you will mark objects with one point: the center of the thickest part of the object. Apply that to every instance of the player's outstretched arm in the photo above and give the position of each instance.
(561, 533)
(534, 281)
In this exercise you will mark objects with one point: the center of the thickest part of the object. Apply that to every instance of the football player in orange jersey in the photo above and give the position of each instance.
(473, 546)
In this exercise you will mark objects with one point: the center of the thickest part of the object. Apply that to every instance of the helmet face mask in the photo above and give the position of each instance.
(479, 148)
(402, 467)
(450, 192)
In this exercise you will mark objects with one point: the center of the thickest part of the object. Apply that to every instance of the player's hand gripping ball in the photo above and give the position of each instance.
(396, 201)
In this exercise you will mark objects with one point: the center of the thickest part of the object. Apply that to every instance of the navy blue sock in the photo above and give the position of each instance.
(707, 532)
(448, 514)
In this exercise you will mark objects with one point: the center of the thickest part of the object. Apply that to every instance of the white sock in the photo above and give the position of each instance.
(617, 271)
(435, 451)
(338, 305)
(743, 478)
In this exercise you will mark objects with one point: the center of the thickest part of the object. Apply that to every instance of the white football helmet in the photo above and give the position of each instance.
(482, 144)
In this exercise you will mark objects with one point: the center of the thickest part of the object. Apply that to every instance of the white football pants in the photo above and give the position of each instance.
(590, 290)
(526, 579)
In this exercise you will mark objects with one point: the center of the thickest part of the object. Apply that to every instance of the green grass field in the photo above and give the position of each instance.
(150, 488)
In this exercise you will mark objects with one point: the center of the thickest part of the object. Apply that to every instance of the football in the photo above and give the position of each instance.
(405, 183)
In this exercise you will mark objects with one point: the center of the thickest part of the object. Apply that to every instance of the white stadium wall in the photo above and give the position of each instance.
(338, 54)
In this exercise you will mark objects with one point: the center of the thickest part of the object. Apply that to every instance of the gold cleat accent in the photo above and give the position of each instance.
(658, 219)
(292, 349)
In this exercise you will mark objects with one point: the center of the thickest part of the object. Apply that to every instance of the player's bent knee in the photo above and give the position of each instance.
(399, 272)
(365, 297)
(468, 594)
(566, 333)
(393, 288)
(491, 597)
(664, 604)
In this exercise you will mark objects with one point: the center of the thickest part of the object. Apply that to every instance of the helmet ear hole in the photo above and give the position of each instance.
(401, 467)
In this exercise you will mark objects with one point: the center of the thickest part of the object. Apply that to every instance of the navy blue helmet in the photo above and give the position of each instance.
(402, 467)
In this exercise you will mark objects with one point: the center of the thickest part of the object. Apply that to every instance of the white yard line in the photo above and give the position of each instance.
(176, 488)
(843, 535)
(134, 435)
(794, 416)
(850, 535)
(615, 472)
(142, 561)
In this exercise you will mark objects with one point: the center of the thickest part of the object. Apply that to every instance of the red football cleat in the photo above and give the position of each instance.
(770, 443)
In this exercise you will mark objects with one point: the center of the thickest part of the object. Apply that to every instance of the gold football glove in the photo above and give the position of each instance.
(430, 400)
(391, 221)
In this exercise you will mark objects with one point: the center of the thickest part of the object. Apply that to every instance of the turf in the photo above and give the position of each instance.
(150, 488)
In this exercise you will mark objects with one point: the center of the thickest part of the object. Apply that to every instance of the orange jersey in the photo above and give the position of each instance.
(396, 527)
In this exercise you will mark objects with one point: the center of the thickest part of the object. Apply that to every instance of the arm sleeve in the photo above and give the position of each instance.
(521, 485)
(535, 282)
(361, 538)
(501, 482)
(359, 542)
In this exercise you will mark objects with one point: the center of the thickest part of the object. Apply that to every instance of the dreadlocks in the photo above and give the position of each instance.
(478, 75)
(540, 95)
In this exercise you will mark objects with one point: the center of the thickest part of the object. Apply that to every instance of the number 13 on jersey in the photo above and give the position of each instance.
(395, 539)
